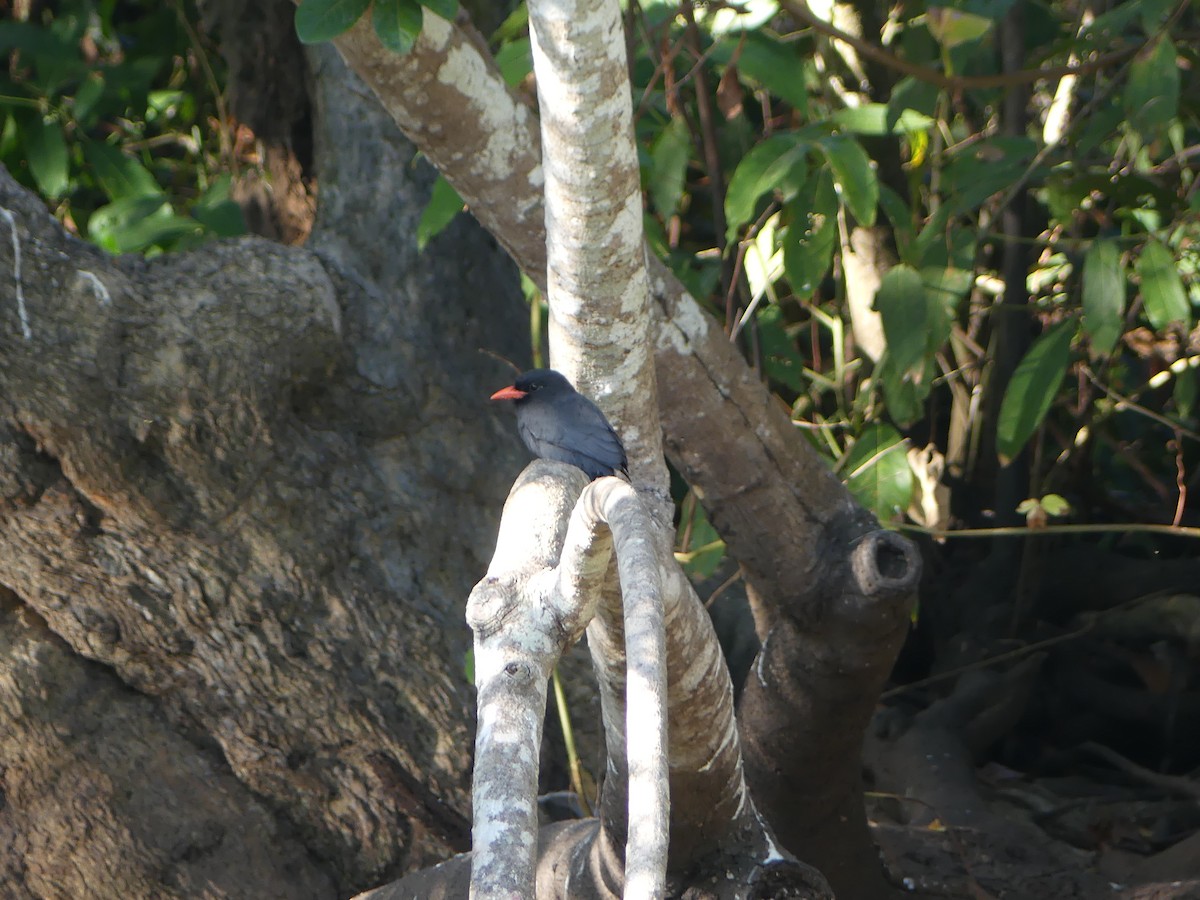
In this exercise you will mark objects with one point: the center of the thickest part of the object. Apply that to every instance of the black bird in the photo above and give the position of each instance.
(557, 422)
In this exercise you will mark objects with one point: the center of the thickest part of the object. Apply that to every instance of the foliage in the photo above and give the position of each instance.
(112, 112)
(396, 22)
(766, 143)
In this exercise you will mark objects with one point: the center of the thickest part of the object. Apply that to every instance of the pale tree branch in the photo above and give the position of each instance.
(525, 616)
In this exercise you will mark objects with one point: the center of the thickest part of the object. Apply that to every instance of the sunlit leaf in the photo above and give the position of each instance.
(704, 550)
(323, 20)
(951, 27)
(137, 223)
(444, 204)
(515, 60)
(1056, 505)
(1103, 296)
(854, 176)
(777, 162)
(811, 234)
(875, 119)
(946, 286)
(1031, 391)
(87, 96)
(1162, 289)
(877, 472)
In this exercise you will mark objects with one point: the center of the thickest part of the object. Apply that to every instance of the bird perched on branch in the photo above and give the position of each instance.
(557, 422)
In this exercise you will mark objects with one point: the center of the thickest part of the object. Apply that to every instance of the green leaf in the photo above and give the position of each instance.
(911, 94)
(904, 396)
(774, 64)
(782, 361)
(447, 9)
(878, 473)
(217, 212)
(902, 305)
(444, 204)
(87, 96)
(811, 234)
(397, 23)
(137, 223)
(705, 548)
(1153, 13)
(952, 27)
(899, 215)
(669, 161)
(1162, 289)
(976, 172)
(777, 162)
(1103, 296)
(515, 25)
(1152, 94)
(945, 288)
(1031, 391)
(515, 61)
(8, 136)
(323, 20)
(46, 150)
(874, 119)
(852, 172)
(1055, 505)
(118, 174)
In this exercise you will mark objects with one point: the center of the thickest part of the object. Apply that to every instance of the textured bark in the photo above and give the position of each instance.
(255, 484)
(103, 797)
(233, 473)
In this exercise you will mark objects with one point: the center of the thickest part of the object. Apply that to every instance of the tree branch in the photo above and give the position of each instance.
(799, 10)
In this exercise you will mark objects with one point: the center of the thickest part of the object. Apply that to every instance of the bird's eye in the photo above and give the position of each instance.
(535, 387)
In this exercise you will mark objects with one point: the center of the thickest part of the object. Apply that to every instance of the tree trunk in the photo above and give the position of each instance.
(255, 484)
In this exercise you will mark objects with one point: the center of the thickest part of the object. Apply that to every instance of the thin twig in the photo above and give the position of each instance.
(1018, 653)
(1054, 530)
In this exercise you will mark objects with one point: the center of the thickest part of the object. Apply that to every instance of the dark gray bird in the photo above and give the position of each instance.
(557, 422)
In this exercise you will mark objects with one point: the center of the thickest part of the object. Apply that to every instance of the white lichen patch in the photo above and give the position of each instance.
(22, 312)
(99, 291)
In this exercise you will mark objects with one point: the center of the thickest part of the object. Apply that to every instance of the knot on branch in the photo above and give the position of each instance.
(885, 564)
(492, 603)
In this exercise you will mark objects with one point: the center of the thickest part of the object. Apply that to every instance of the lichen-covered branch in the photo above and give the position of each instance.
(540, 591)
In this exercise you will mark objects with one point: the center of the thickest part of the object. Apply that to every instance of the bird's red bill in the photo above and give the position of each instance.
(508, 393)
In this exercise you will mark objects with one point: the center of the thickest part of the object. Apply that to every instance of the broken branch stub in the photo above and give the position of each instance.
(542, 588)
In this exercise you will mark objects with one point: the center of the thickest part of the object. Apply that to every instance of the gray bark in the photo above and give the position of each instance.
(253, 484)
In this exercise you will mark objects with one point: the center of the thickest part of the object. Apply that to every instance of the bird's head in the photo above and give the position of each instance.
(545, 382)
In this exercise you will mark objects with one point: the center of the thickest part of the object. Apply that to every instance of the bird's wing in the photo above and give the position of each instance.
(583, 439)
